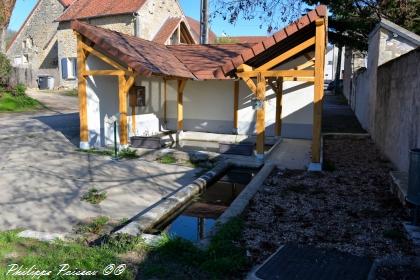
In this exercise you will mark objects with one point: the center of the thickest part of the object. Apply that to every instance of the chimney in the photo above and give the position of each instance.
(204, 22)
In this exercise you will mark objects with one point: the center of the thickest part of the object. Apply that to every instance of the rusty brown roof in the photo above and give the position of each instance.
(247, 39)
(167, 30)
(195, 30)
(279, 42)
(81, 9)
(202, 60)
(145, 57)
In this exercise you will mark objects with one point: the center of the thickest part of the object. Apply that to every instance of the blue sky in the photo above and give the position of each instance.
(191, 8)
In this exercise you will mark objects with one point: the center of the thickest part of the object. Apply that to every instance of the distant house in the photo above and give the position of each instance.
(46, 44)
(35, 44)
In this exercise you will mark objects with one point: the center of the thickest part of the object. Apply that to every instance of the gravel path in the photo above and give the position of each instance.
(349, 208)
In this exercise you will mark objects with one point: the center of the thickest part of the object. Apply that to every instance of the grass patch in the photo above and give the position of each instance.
(94, 196)
(49, 257)
(95, 226)
(71, 92)
(128, 153)
(167, 159)
(123, 153)
(18, 103)
(176, 258)
(101, 152)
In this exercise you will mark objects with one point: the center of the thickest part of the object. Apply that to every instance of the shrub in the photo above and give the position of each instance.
(19, 90)
(5, 69)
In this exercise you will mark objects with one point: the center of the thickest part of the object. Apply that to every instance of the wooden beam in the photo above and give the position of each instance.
(318, 90)
(129, 83)
(165, 101)
(280, 73)
(103, 57)
(279, 106)
(122, 98)
(260, 124)
(106, 73)
(299, 79)
(288, 54)
(81, 66)
(133, 120)
(235, 105)
(180, 101)
(307, 64)
(248, 81)
(244, 68)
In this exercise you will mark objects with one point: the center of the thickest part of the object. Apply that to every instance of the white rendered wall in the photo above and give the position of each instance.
(208, 107)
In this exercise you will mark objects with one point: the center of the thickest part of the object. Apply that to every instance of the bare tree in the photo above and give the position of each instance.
(6, 9)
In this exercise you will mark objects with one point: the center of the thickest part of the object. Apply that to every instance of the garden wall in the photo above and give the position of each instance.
(396, 117)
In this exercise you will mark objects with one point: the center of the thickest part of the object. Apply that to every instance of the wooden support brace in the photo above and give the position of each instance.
(278, 89)
(280, 73)
(103, 57)
(318, 90)
(106, 73)
(288, 54)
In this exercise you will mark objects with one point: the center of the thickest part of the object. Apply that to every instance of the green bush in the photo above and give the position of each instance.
(5, 69)
(19, 90)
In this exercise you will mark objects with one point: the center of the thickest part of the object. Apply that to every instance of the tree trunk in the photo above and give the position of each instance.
(338, 71)
(3, 40)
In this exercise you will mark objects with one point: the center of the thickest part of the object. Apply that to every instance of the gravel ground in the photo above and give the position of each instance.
(349, 207)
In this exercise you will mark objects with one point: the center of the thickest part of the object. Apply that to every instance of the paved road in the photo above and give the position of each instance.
(42, 176)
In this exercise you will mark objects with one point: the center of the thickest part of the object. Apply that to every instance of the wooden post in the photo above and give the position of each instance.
(133, 120)
(181, 86)
(122, 94)
(279, 105)
(260, 125)
(235, 106)
(81, 67)
(318, 90)
(165, 101)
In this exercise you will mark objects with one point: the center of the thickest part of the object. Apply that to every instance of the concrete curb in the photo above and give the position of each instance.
(240, 203)
(169, 204)
(42, 236)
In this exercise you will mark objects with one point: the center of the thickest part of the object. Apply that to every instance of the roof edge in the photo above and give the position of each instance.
(395, 28)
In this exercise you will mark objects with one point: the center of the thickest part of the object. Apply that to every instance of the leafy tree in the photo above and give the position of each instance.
(5, 69)
(350, 21)
(6, 9)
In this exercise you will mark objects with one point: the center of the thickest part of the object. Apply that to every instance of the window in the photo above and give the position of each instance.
(68, 68)
(25, 59)
(137, 96)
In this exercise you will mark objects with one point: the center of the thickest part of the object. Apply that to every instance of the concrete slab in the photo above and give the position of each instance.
(290, 154)
(42, 176)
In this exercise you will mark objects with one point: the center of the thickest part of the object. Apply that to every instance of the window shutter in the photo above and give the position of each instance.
(64, 69)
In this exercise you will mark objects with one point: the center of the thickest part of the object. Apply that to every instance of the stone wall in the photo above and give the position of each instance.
(152, 14)
(41, 49)
(397, 113)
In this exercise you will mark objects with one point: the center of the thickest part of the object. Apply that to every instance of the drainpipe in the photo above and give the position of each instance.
(136, 24)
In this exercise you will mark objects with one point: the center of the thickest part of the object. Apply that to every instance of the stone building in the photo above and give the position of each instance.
(146, 19)
(47, 45)
(34, 47)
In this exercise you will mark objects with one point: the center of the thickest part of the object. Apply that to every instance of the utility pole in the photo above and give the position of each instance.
(204, 22)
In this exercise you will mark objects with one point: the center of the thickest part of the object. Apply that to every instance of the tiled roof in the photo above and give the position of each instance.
(247, 39)
(276, 40)
(167, 30)
(195, 30)
(202, 60)
(145, 57)
(66, 3)
(81, 9)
